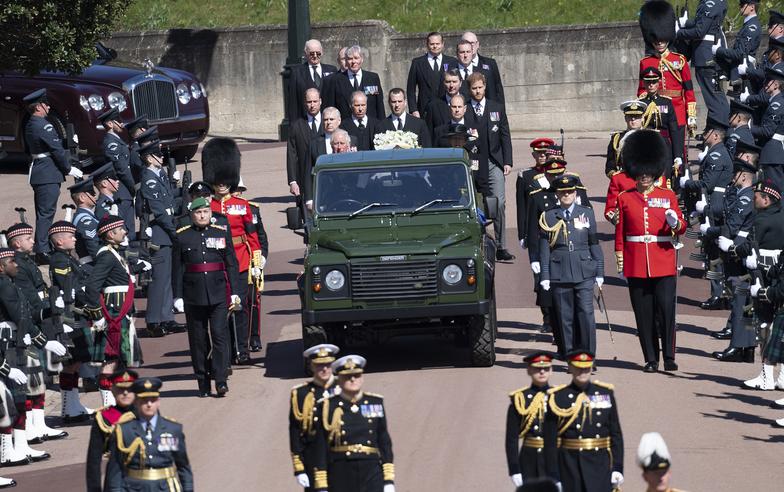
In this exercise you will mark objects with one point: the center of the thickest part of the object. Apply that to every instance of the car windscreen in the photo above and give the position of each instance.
(404, 189)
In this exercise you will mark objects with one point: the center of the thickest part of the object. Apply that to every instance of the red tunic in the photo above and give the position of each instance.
(619, 182)
(243, 230)
(676, 83)
(643, 235)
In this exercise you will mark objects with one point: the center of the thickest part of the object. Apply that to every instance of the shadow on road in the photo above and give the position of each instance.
(284, 360)
(746, 418)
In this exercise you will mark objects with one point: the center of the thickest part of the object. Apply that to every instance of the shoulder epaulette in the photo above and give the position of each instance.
(535, 191)
(373, 394)
(170, 419)
(573, 173)
(126, 417)
(604, 385)
(223, 228)
(556, 389)
(519, 390)
(622, 192)
(295, 388)
(183, 228)
(683, 59)
(537, 176)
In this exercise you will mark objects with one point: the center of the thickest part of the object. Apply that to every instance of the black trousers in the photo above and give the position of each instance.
(574, 305)
(241, 317)
(208, 338)
(355, 476)
(653, 301)
(45, 199)
(254, 307)
(715, 100)
(743, 333)
(160, 297)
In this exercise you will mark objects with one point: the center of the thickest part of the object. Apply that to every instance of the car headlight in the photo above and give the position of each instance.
(335, 280)
(117, 100)
(96, 102)
(195, 90)
(183, 94)
(452, 274)
(84, 103)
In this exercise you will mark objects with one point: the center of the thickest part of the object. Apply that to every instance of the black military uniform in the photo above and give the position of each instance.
(525, 422)
(747, 42)
(742, 131)
(771, 159)
(117, 152)
(774, 108)
(353, 444)
(202, 189)
(205, 271)
(28, 277)
(525, 179)
(631, 110)
(148, 456)
(660, 115)
(135, 161)
(591, 442)
(255, 314)
(303, 422)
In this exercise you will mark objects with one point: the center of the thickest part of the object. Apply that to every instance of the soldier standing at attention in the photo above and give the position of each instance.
(48, 169)
(117, 152)
(584, 415)
(87, 240)
(303, 423)
(660, 115)
(205, 262)
(525, 421)
(147, 450)
(632, 114)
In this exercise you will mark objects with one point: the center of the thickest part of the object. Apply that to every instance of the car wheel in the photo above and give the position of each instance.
(481, 338)
(184, 154)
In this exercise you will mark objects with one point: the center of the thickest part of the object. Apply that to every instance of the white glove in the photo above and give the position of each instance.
(148, 232)
(600, 281)
(677, 27)
(67, 328)
(255, 272)
(390, 487)
(545, 284)
(75, 172)
(702, 154)
(99, 325)
(678, 161)
(17, 376)
(535, 267)
(125, 242)
(616, 479)
(744, 95)
(75, 138)
(751, 260)
(704, 226)
(755, 288)
(303, 480)
(517, 479)
(671, 217)
(559, 486)
(691, 121)
(263, 262)
(179, 306)
(700, 206)
(235, 301)
(55, 347)
(59, 302)
(146, 265)
(27, 340)
(522, 243)
(714, 48)
(114, 209)
(682, 181)
(724, 243)
(743, 67)
(684, 18)
(176, 177)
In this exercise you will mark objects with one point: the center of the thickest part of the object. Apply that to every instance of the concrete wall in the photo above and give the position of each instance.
(570, 77)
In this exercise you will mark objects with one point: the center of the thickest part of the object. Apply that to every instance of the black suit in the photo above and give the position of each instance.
(362, 136)
(495, 87)
(412, 124)
(318, 147)
(302, 80)
(298, 150)
(424, 84)
(477, 150)
(490, 92)
(437, 113)
(370, 84)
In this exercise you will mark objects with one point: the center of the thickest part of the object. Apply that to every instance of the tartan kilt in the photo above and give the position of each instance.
(130, 348)
(774, 349)
(36, 385)
(83, 341)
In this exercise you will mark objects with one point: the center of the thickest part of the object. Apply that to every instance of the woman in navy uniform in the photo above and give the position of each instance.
(525, 421)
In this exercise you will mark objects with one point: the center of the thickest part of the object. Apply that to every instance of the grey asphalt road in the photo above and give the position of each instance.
(446, 418)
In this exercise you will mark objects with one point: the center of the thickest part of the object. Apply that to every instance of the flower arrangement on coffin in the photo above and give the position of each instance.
(396, 139)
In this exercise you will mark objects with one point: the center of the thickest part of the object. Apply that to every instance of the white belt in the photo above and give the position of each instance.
(41, 156)
(709, 37)
(770, 253)
(777, 136)
(85, 260)
(719, 189)
(649, 238)
(115, 289)
(743, 234)
(41, 294)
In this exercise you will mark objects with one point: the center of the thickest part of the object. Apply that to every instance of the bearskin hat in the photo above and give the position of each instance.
(220, 162)
(657, 21)
(644, 152)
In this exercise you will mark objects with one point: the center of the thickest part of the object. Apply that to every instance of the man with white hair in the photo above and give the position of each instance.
(654, 459)
(308, 75)
(361, 80)
(360, 125)
(487, 65)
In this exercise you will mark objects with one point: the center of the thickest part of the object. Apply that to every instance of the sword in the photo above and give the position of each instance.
(603, 309)
(233, 323)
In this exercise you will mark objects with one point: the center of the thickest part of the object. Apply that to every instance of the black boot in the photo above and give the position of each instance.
(712, 304)
(731, 354)
(724, 334)
(174, 327)
(155, 330)
(221, 389)
(748, 355)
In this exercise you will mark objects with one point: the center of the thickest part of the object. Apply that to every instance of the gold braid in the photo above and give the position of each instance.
(559, 227)
(667, 63)
(651, 113)
(570, 415)
(335, 427)
(535, 410)
(305, 416)
(136, 445)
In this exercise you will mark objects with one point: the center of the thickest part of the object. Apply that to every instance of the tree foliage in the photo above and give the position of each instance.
(38, 35)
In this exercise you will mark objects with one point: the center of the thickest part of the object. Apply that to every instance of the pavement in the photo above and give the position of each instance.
(446, 418)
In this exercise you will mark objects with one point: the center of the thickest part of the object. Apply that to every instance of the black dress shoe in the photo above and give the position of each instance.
(504, 255)
(174, 327)
(221, 389)
(724, 334)
(651, 367)
(731, 354)
(748, 355)
(155, 330)
(712, 304)
(43, 457)
(244, 360)
(670, 365)
(546, 328)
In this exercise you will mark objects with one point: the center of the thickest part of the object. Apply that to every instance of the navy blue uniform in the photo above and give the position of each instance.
(304, 424)
(770, 119)
(87, 241)
(739, 133)
(119, 154)
(771, 159)
(747, 42)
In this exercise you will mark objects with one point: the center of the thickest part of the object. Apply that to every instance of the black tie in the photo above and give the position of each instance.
(149, 431)
(316, 78)
(566, 215)
(435, 65)
(313, 127)
(397, 123)
(360, 125)
(356, 83)
(478, 110)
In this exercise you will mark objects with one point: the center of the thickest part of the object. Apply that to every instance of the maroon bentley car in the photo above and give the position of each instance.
(174, 100)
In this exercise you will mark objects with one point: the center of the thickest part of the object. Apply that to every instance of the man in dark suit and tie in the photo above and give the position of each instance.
(492, 121)
(359, 80)
(487, 65)
(328, 88)
(298, 149)
(462, 122)
(426, 74)
(308, 75)
(360, 126)
(400, 120)
(437, 112)
(319, 145)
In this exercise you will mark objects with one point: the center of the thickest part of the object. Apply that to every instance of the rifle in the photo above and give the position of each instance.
(185, 184)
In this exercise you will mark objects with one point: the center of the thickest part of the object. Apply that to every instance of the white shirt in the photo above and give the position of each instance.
(328, 141)
(481, 105)
(317, 119)
(318, 70)
(466, 71)
(475, 60)
(402, 119)
(461, 122)
(430, 59)
(364, 121)
(352, 76)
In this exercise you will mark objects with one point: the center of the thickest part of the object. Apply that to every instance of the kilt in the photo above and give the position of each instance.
(36, 385)
(83, 349)
(130, 353)
(774, 349)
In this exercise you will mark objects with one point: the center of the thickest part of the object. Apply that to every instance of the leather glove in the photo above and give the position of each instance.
(700, 206)
(522, 243)
(600, 281)
(27, 340)
(17, 376)
(517, 479)
(671, 217)
(744, 95)
(715, 48)
(99, 325)
(148, 232)
(754, 291)
(705, 226)
(179, 306)
(724, 243)
(751, 261)
(176, 175)
(389, 487)
(616, 479)
(59, 302)
(535, 267)
(146, 265)
(262, 262)
(55, 347)
(236, 303)
(255, 272)
(545, 284)
(75, 172)
(67, 328)
(303, 480)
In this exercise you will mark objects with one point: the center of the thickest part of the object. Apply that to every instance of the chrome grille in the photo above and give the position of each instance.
(414, 279)
(156, 99)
